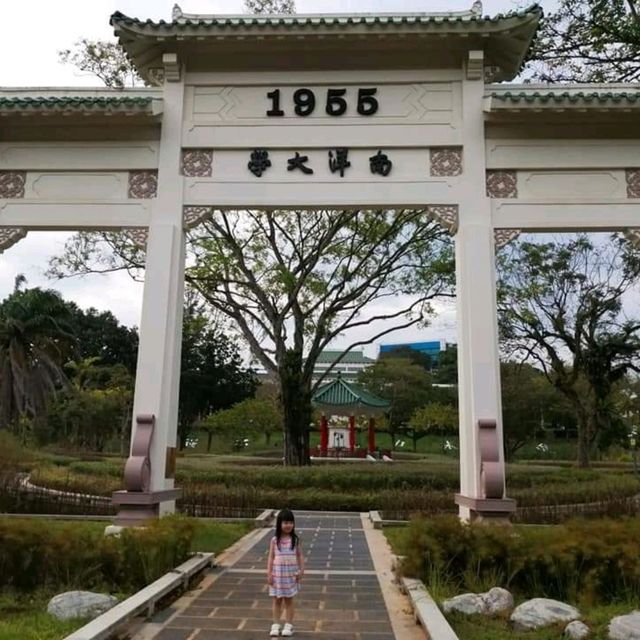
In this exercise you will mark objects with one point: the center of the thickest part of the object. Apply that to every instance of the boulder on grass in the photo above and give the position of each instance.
(542, 612)
(577, 630)
(468, 603)
(497, 600)
(625, 627)
(80, 604)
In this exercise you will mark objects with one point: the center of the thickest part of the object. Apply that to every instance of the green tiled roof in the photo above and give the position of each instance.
(240, 42)
(353, 357)
(340, 393)
(437, 20)
(75, 103)
(571, 97)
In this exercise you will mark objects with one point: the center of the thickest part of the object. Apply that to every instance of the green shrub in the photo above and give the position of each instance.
(581, 561)
(34, 555)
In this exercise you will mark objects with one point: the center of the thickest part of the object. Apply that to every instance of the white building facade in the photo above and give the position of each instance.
(412, 103)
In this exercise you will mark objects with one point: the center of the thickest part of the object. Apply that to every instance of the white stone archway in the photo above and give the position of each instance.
(486, 160)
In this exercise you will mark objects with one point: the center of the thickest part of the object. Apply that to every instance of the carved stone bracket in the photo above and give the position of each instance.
(155, 76)
(633, 235)
(143, 184)
(446, 215)
(9, 236)
(633, 183)
(502, 184)
(193, 216)
(445, 161)
(491, 470)
(138, 236)
(475, 65)
(503, 237)
(171, 66)
(12, 184)
(137, 470)
(197, 163)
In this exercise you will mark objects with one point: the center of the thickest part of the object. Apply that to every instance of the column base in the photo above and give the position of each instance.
(138, 507)
(491, 510)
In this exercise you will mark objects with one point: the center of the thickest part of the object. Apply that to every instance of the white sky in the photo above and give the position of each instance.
(31, 34)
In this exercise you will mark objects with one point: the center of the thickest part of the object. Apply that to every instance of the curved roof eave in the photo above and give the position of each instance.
(512, 33)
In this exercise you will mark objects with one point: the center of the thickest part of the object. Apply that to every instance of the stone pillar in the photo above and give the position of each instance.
(158, 368)
(482, 486)
(352, 434)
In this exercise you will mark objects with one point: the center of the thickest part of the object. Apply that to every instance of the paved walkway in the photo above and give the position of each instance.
(344, 596)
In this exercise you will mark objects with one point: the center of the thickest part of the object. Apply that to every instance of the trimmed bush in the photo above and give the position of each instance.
(33, 555)
(581, 561)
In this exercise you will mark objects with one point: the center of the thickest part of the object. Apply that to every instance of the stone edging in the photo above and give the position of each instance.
(106, 625)
(426, 611)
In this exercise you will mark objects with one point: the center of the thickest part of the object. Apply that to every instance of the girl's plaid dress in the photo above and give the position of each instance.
(285, 569)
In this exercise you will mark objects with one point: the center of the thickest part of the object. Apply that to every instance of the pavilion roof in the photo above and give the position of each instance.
(342, 395)
(381, 40)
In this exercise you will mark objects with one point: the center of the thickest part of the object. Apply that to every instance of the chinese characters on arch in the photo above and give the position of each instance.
(338, 162)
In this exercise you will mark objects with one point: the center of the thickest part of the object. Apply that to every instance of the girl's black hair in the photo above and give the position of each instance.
(286, 515)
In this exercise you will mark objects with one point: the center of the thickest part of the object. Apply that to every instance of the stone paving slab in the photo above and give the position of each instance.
(340, 596)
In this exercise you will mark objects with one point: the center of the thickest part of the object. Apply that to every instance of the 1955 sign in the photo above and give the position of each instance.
(335, 103)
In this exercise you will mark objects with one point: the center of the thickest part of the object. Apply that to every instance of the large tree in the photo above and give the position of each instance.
(36, 339)
(212, 375)
(293, 281)
(588, 41)
(561, 305)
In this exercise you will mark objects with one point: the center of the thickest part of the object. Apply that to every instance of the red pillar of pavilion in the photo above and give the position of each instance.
(324, 435)
(372, 435)
(352, 433)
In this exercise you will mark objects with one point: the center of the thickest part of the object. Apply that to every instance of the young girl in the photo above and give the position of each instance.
(285, 568)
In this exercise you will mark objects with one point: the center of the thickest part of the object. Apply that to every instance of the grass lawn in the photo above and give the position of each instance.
(23, 616)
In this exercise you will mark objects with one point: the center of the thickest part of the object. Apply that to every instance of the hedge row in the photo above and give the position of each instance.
(582, 561)
(33, 555)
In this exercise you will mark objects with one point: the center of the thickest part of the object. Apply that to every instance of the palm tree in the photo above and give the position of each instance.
(36, 339)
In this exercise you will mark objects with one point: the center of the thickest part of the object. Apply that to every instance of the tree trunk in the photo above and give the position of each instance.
(583, 439)
(414, 437)
(209, 440)
(295, 396)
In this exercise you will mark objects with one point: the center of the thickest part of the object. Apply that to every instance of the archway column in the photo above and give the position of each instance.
(482, 479)
(151, 491)
(324, 435)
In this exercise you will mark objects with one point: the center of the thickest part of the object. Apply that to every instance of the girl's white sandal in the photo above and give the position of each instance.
(275, 630)
(287, 630)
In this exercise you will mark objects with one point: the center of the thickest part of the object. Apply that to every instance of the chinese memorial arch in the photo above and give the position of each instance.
(322, 111)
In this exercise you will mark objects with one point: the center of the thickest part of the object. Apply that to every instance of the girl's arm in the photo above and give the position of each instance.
(270, 563)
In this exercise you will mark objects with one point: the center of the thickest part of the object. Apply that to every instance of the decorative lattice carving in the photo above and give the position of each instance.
(138, 236)
(446, 215)
(196, 163)
(143, 184)
(633, 183)
(446, 161)
(503, 237)
(492, 470)
(502, 184)
(193, 216)
(12, 184)
(9, 236)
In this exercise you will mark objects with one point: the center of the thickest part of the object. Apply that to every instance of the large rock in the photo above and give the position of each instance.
(577, 630)
(468, 603)
(80, 604)
(625, 627)
(541, 612)
(497, 600)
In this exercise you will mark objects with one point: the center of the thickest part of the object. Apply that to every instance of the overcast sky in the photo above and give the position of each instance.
(31, 34)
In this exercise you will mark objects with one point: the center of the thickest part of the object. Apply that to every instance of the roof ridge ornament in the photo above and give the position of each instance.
(476, 8)
(176, 12)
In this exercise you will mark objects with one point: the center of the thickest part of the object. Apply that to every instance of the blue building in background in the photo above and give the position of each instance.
(432, 348)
